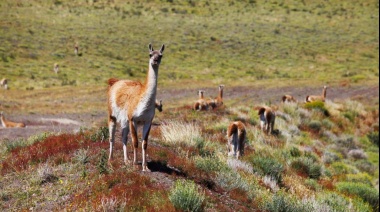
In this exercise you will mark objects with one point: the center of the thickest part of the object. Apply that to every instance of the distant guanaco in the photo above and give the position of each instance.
(201, 103)
(267, 118)
(236, 134)
(4, 83)
(288, 98)
(56, 68)
(219, 99)
(76, 48)
(316, 97)
(9, 124)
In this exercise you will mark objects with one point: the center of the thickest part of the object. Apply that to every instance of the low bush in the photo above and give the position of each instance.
(185, 196)
(317, 105)
(339, 168)
(315, 125)
(367, 193)
(359, 178)
(333, 201)
(284, 203)
(374, 137)
(230, 180)
(268, 166)
(306, 166)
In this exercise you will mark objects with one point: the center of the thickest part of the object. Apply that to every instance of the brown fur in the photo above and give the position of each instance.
(236, 134)
(288, 98)
(112, 81)
(267, 118)
(9, 124)
(133, 103)
(314, 98)
(219, 99)
(201, 103)
(211, 103)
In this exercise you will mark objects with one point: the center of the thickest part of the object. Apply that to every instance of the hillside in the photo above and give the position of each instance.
(322, 156)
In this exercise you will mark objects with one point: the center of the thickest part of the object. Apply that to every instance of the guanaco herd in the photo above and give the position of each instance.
(132, 103)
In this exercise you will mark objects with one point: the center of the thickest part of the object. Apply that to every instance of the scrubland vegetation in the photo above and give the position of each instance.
(319, 160)
(322, 156)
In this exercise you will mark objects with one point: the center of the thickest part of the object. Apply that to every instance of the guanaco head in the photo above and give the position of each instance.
(155, 56)
(201, 94)
(159, 105)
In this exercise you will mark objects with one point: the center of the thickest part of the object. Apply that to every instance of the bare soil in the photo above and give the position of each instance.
(38, 123)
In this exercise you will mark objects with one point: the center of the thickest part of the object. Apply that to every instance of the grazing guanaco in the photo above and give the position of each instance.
(4, 83)
(56, 68)
(236, 134)
(132, 103)
(201, 103)
(9, 124)
(288, 98)
(267, 118)
(159, 105)
(314, 98)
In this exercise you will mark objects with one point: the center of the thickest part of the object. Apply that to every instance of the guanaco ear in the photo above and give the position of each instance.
(150, 47)
(162, 48)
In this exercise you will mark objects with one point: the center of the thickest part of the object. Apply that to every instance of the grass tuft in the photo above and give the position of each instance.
(185, 196)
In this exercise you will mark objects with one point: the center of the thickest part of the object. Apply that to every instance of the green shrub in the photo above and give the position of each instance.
(317, 105)
(230, 180)
(315, 125)
(334, 201)
(208, 164)
(102, 165)
(13, 144)
(327, 124)
(295, 152)
(359, 178)
(268, 166)
(374, 137)
(101, 134)
(313, 184)
(365, 166)
(185, 196)
(367, 193)
(338, 168)
(307, 166)
(284, 203)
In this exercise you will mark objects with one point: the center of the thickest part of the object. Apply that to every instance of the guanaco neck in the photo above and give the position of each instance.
(220, 92)
(151, 84)
(2, 121)
(324, 92)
